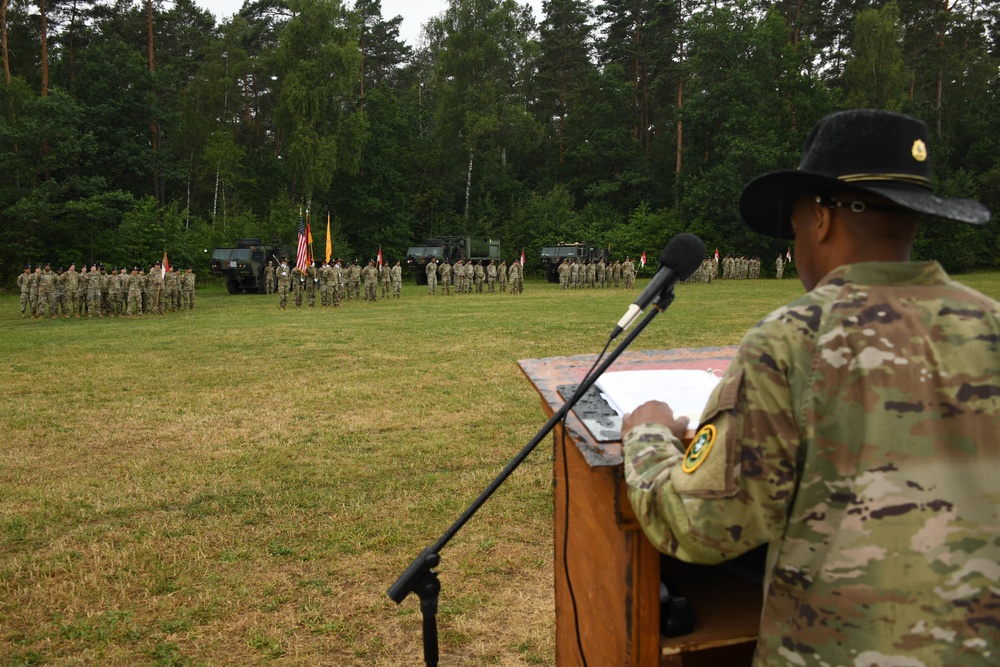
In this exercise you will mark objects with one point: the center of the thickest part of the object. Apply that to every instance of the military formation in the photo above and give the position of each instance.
(100, 292)
(577, 274)
(332, 283)
(740, 268)
(474, 277)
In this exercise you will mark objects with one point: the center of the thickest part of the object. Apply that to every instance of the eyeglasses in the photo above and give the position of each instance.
(856, 206)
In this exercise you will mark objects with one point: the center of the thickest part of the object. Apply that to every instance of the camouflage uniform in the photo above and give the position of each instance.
(491, 277)
(187, 290)
(71, 283)
(563, 272)
(470, 277)
(36, 306)
(94, 293)
(135, 293)
(856, 432)
(338, 283)
(370, 276)
(479, 276)
(445, 272)
(516, 280)
(431, 271)
(396, 276)
(24, 283)
(502, 276)
(298, 285)
(114, 294)
(779, 267)
(386, 279)
(311, 284)
(325, 276)
(270, 278)
(354, 281)
(284, 277)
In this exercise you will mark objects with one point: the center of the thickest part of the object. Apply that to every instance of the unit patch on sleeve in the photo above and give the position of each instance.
(699, 448)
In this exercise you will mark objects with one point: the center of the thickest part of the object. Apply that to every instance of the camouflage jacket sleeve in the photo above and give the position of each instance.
(730, 491)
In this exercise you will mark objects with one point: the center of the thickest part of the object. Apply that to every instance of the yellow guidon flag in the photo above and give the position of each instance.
(329, 243)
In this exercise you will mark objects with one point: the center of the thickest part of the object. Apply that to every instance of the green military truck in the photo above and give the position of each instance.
(450, 249)
(553, 256)
(242, 265)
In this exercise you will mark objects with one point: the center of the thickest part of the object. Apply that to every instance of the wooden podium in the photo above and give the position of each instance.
(613, 569)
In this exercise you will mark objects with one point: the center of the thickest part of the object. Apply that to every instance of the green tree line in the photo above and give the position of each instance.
(127, 129)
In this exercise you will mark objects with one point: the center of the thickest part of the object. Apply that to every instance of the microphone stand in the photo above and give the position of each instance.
(421, 577)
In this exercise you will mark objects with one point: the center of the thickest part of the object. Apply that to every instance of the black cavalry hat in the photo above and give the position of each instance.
(881, 152)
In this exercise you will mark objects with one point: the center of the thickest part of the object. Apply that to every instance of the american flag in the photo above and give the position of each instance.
(302, 259)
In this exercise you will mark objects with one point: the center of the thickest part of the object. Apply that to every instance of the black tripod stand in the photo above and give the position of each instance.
(421, 577)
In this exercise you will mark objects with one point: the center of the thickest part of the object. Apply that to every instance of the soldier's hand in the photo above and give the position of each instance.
(655, 412)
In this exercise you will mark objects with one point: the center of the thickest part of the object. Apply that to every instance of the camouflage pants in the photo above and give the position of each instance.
(299, 290)
(385, 288)
(134, 302)
(397, 287)
(94, 303)
(432, 284)
(187, 299)
(371, 291)
(25, 303)
(354, 290)
(283, 295)
(311, 293)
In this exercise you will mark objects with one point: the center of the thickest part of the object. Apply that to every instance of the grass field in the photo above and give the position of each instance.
(240, 485)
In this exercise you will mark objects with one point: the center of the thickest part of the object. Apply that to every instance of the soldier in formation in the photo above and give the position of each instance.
(270, 278)
(516, 278)
(370, 276)
(396, 277)
(100, 292)
(385, 279)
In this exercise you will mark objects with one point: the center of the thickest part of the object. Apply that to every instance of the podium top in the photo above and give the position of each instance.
(550, 373)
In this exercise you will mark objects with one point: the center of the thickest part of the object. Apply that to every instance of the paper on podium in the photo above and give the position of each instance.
(685, 391)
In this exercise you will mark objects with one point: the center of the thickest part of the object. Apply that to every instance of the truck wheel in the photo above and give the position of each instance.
(261, 287)
(233, 286)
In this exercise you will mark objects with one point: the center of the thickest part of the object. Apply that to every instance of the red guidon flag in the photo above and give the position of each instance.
(642, 260)
(379, 260)
(165, 265)
(522, 258)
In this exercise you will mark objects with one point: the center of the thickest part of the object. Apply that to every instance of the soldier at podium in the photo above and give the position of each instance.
(856, 429)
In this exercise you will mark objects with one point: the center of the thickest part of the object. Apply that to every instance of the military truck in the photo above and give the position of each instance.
(242, 265)
(450, 249)
(553, 256)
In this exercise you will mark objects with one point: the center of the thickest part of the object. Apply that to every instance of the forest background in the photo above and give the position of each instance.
(127, 129)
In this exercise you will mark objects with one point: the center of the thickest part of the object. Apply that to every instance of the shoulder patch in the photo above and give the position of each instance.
(699, 448)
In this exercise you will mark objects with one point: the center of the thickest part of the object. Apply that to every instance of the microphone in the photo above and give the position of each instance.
(681, 258)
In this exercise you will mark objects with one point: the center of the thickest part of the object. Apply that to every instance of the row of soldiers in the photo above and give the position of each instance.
(99, 292)
(334, 282)
(469, 277)
(574, 274)
(740, 268)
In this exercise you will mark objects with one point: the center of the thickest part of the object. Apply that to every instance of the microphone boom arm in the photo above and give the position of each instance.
(421, 577)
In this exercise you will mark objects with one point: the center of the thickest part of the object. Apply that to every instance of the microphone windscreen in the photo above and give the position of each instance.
(684, 254)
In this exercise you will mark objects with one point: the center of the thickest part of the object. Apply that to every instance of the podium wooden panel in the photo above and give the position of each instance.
(614, 571)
